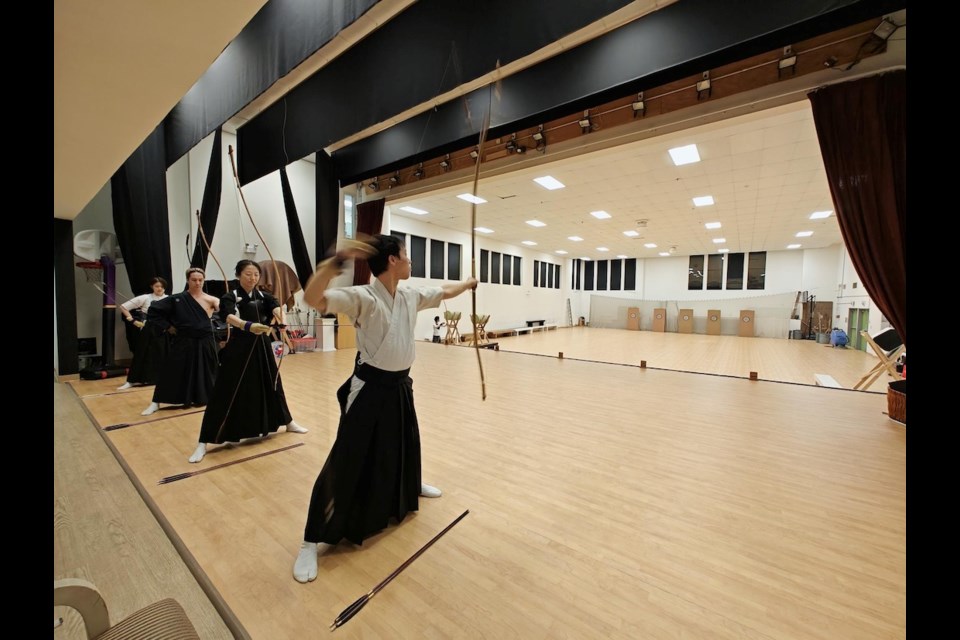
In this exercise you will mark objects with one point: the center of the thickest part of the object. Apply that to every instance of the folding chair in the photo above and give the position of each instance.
(888, 346)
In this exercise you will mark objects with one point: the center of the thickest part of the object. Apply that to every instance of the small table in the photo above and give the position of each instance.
(535, 323)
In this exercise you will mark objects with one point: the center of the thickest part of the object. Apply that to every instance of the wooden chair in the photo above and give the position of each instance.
(888, 346)
(452, 318)
(163, 620)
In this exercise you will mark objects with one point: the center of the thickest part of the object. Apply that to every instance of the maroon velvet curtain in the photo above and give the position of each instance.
(862, 127)
(369, 221)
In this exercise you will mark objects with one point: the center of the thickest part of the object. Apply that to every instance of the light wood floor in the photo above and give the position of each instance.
(105, 534)
(793, 361)
(605, 502)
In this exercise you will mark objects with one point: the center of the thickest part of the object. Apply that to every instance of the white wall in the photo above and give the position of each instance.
(98, 214)
(508, 305)
(264, 197)
(851, 294)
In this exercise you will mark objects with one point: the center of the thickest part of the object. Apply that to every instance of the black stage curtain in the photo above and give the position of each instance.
(210, 205)
(862, 128)
(328, 206)
(283, 34)
(301, 257)
(140, 217)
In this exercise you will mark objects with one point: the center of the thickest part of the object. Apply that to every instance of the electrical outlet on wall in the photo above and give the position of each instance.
(249, 247)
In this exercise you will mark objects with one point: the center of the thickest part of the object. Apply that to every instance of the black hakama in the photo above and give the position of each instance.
(244, 402)
(190, 368)
(373, 471)
(153, 345)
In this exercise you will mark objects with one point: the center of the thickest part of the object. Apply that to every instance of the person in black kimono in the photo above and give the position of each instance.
(152, 344)
(190, 369)
(372, 474)
(248, 399)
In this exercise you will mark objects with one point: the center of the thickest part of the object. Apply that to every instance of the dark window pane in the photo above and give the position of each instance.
(630, 275)
(615, 267)
(757, 270)
(495, 267)
(549, 276)
(516, 270)
(418, 254)
(543, 274)
(507, 265)
(484, 260)
(588, 275)
(536, 273)
(734, 271)
(715, 271)
(695, 276)
(401, 236)
(602, 275)
(436, 259)
(556, 276)
(453, 261)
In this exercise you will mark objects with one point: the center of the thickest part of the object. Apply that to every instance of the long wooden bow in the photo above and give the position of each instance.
(226, 286)
(484, 129)
(278, 294)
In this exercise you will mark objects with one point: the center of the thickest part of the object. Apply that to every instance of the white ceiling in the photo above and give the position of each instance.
(119, 67)
(764, 171)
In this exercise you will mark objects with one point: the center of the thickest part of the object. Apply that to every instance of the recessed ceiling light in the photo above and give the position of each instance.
(575, 238)
(650, 245)
(536, 223)
(549, 182)
(469, 197)
(419, 212)
(703, 201)
(631, 233)
(804, 234)
(793, 246)
(483, 230)
(621, 256)
(685, 155)
(561, 252)
(664, 254)
(602, 249)
(529, 243)
(719, 240)
(723, 250)
(817, 215)
(713, 225)
(587, 258)
(600, 215)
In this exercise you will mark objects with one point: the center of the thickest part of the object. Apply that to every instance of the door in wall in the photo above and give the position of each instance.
(858, 320)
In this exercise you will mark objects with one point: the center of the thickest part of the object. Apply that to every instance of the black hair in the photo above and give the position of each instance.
(386, 246)
(161, 281)
(243, 264)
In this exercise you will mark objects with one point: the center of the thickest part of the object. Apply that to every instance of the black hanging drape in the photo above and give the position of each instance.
(369, 221)
(862, 128)
(298, 246)
(139, 195)
(328, 205)
(210, 205)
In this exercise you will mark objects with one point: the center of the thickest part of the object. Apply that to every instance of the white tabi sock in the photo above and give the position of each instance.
(293, 427)
(305, 568)
(126, 385)
(199, 452)
(151, 409)
(429, 492)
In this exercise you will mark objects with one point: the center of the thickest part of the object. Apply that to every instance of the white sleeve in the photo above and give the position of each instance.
(136, 303)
